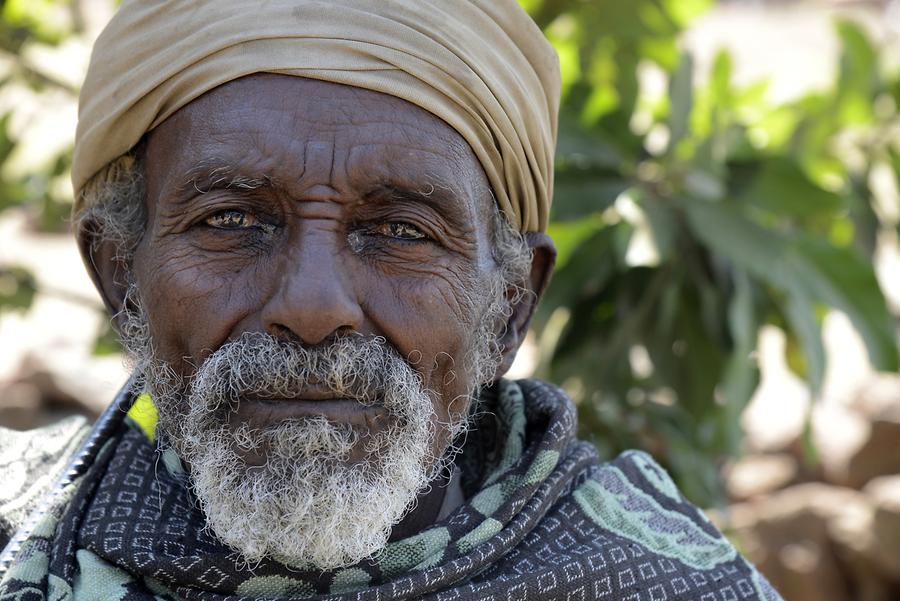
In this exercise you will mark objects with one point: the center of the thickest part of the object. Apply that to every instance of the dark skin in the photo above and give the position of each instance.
(308, 210)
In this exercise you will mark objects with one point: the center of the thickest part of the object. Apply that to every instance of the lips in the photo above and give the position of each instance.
(263, 412)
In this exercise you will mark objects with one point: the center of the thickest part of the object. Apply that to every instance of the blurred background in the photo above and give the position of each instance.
(727, 215)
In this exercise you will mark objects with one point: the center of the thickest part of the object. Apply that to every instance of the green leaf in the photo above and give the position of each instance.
(47, 20)
(780, 187)
(562, 35)
(837, 277)
(580, 193)
(720, 82)
(763, 235)
(741, 314)
(729, 234)
(663, 51)
(584, 149)
(589, 264)
(801, 315)
(531, 6)
(841, 278)
(741, 375)
(663, 223)
(681, 100)
(860, 58)
(894, 155)
(895, 91)
(858, 82)
(569, 235)
(685, 11)
(604, 76)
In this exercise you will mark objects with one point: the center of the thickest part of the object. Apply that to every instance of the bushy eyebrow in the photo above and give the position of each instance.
(206, 177)
(440, 199)
(445, 201)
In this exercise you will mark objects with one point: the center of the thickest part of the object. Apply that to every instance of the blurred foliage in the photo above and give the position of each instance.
(686, 217)
(687, 220)
(44, 50)
(17, 289)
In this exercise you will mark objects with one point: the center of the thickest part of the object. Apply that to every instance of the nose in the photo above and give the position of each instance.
(315, 298)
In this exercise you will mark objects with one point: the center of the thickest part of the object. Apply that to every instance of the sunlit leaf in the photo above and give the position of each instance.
(720, 82)
(531, 5)
(48, 20)
(569, 235)
(842, 279)
(859, 77)
(661, 50)
(684, 11)
(895, 92)
(837, 277)
(842, 232)
(563, 36)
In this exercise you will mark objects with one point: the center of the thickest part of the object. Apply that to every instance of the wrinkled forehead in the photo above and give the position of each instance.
(280, 127)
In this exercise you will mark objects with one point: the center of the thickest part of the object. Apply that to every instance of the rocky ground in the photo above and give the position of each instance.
(822, 520)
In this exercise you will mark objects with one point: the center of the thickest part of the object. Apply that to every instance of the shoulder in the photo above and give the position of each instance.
(633, 491)
(30, 462)
(633, 500)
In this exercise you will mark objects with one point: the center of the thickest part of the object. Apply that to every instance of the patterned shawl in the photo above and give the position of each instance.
(543, 519)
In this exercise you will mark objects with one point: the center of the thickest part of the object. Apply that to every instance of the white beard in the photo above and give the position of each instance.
(307, 505)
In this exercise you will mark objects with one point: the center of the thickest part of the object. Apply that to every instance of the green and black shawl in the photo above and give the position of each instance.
(543, 519)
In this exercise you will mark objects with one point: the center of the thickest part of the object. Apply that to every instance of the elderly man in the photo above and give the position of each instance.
(318, 226)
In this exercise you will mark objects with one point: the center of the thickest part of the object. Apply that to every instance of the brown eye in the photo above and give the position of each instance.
(400, 230)
(231, 219)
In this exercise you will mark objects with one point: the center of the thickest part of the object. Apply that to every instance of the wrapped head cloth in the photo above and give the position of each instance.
(482, 66)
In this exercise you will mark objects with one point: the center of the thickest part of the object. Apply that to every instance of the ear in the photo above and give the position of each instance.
(542, 262)
(104, 264)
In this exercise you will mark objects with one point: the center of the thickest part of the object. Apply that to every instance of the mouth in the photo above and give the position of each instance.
(263, 412)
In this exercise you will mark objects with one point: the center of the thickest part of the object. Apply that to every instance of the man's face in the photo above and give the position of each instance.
(315, 214)
(364, 214)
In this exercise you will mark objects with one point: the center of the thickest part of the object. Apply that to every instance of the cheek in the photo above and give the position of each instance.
(192, 302)
(431, 321)
(428, 318)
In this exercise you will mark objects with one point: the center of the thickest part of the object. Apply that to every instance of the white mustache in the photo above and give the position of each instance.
(260, 366)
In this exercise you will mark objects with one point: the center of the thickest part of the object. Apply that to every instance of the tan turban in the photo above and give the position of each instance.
(482, 66)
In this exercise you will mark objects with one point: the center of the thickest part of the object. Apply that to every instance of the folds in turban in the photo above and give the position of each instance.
(482, 66)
